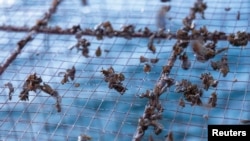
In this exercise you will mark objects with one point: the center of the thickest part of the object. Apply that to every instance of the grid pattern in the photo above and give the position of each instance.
(92, 108)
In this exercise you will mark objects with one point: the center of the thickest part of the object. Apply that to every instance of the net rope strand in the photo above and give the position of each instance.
(171, 61)
(31, 32)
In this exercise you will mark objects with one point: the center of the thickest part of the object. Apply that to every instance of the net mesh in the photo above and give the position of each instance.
(95, 110)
